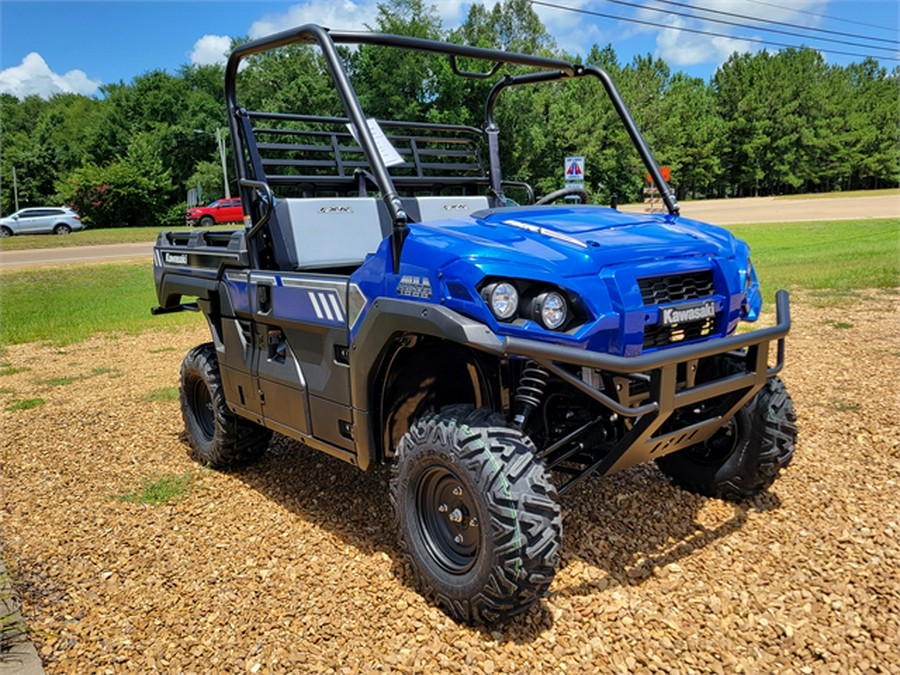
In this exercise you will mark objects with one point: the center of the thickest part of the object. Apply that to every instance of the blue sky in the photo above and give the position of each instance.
(48, 47)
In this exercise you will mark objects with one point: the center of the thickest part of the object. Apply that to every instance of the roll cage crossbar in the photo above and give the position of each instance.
(251, 172)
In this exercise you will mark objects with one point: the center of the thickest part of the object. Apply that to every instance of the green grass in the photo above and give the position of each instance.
(834, 256)
(163, 490)
(63, 381)
(112, 372)
(163, 394)
(9, 369)
(832, 259)
(24, 404)
(65, 305)
(89, 237)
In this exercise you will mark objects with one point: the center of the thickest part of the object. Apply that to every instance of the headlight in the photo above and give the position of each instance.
(551, 309)
(503, 299)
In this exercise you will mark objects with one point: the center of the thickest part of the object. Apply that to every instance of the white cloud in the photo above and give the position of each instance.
(683, 48)
(211, 50)
(345, 15)
(33, 76)
(680, 48)
(342, 15)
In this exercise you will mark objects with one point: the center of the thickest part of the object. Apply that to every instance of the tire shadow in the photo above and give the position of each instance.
(627, 526)
(633, 524)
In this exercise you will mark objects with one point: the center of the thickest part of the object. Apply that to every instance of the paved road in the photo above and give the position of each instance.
(37, 257)
(775, 210)
(719, 211)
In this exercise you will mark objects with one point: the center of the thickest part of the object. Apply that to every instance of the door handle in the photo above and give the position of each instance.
(263, 298)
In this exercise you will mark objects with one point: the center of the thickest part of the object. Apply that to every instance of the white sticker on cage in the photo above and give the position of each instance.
(388, 152)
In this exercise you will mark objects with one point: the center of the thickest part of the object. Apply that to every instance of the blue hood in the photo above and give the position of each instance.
(575, 240)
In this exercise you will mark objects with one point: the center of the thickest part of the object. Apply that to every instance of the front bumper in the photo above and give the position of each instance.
(666, 392)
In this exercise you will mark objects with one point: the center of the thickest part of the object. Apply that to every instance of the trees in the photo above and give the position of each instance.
(765, 123)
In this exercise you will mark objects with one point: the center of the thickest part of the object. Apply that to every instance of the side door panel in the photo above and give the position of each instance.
(240, 346)
(303, 378)
(31, 221)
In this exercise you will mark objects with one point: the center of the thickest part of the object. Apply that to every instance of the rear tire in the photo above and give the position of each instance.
(744, 457)
(218, 438)
(479, 520)
(62, 229)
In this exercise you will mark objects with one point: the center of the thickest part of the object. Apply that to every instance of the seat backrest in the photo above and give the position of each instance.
(331, 232)
(328, 231)
(450, 207)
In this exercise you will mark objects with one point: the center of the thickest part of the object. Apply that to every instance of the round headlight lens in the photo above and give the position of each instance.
(554, 310)
(504, 300)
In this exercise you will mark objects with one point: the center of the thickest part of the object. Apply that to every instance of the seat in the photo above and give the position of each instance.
(328, 232)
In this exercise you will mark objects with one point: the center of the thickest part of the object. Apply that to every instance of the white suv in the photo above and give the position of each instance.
(41, 220)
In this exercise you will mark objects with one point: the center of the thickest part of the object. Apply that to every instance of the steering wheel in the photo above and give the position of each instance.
(564, 192)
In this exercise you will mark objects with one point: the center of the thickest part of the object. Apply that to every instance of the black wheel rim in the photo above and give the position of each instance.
(717, 447)
(447, 520)
(202, 407)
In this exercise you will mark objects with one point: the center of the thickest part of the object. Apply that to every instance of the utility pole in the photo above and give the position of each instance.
(15, 188)
(220, 141)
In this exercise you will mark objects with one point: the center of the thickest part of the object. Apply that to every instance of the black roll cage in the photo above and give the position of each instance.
(249, 178)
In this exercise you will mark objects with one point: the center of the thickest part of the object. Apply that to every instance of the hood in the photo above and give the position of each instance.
(573, 239)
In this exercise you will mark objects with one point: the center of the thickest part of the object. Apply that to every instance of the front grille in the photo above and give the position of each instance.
(660, 336)
(676, 287)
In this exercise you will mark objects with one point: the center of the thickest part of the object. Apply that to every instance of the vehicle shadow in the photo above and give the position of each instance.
(627, 526)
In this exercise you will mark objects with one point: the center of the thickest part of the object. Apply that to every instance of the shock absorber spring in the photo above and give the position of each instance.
(530, 392)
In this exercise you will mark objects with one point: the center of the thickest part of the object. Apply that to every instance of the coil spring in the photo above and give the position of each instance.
(532, 385)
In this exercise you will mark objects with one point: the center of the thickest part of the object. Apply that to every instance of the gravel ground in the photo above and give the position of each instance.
(291, 565)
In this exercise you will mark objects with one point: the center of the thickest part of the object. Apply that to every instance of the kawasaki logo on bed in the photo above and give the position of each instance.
(177, 258)
(686, 313)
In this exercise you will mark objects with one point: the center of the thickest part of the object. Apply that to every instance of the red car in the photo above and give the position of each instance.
(220, 211)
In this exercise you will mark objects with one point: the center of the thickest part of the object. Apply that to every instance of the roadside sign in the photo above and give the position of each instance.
(574, 169)
(666, 173)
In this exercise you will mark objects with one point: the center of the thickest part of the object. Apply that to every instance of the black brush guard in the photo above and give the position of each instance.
(660, 369)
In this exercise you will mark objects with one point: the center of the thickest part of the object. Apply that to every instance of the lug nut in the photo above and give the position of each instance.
(458, 539)
(473, 522)
(457, 491)
(443, 508)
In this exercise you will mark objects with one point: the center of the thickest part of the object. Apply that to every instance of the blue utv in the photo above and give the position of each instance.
(387, 302)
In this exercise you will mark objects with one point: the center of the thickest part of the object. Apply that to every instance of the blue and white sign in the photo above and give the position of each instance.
(574, 169)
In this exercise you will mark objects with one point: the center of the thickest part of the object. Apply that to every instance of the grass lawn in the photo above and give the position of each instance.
(65, 305)
(89, 237)
(62, 305)
(837, 255)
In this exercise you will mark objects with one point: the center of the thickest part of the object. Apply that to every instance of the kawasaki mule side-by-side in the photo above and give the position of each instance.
(388, 302)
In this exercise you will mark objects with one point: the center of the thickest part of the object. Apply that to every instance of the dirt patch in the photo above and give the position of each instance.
(291, 565)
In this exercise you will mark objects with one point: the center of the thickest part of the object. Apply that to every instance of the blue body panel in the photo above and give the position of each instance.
(595, 255)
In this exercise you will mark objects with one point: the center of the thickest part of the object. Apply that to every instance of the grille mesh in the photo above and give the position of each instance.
(676, 287)
(660, 336)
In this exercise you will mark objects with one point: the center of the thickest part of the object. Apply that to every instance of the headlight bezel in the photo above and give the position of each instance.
(532, 304)
(545, 305)
(494, 293)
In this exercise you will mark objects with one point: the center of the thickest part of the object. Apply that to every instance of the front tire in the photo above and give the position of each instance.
(5, 231)
(218, 438)
(479, 520)
(207, 221)
(745, 456)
